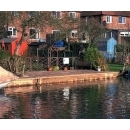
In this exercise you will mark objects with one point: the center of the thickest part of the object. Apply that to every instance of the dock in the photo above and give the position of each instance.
(61, 76)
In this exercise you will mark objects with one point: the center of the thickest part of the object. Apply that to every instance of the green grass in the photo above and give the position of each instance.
(115, 67)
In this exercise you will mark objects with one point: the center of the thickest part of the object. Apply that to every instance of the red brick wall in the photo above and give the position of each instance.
(115, 24)
(46, 29)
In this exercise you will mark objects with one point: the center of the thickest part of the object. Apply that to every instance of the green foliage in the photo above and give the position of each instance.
(3, 55)
(76, 46)
(93, 55)
(119, 48)
(55, 68)
(123, 47)
(36, 66)
(115, 67)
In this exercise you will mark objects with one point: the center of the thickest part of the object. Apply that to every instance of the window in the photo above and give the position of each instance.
(33, 13)
(83, 36)
(34, 33)
(12, 31)
(56, 14)
(108, 19)
(125, 34)
(72, 14)
(55, 31)
(15, 13)
(74, 33)
(121, 19)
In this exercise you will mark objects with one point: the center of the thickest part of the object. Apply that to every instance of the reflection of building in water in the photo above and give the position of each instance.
(109, 101)
(6, 104)
(117, 100)
(40, 107)
(124, 98)
(66, 93)
(74, 105)
(36, 108)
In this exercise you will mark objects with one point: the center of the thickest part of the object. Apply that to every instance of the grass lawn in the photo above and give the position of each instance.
(115, 67)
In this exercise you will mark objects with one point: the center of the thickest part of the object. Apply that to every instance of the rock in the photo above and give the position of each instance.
(6, 76)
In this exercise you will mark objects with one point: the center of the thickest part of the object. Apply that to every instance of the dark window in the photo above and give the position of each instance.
(56, 14)
(108, 19)
(121, 19)
(56, 32)
(12, 31)
(115, 34)
(72, 14)
(15, 13)
(83, 36)
(108, 34)
(33, 13)
(34, 34)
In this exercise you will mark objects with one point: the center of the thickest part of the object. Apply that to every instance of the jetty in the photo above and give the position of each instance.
(61, 76)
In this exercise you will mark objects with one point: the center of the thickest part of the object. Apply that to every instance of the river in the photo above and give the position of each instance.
(108, 99)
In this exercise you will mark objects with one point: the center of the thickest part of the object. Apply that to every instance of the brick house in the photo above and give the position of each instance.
(41, 35)
(118, 22)
(32, 34)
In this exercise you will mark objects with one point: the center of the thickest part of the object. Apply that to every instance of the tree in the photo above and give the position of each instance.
(3, 22)
(92, 30)
(24, 20)
(94, 56)
(65, 25)
(123, 48)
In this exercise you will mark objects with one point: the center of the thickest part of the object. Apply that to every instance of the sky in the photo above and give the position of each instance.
(64, 5)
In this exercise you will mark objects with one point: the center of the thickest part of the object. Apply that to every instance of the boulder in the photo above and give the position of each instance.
(6, 76)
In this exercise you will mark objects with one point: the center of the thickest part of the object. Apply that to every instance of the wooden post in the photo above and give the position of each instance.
(37, 53)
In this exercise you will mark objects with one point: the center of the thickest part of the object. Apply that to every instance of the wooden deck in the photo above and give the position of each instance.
(61, 76)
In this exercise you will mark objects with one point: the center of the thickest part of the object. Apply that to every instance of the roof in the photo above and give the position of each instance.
(103, 39)
(8, 40)
(35, 43)
(97, 13)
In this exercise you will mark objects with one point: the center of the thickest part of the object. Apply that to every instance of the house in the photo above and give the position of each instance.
(36, 33)
(118, 22)
(9, 45)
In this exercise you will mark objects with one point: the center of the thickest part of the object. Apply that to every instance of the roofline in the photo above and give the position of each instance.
(100, 13)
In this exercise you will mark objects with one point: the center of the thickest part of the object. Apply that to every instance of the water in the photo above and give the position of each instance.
(97, 100)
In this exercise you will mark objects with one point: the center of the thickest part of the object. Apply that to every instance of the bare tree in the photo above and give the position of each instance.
(92, 29)
(23, 20)
(65, 25)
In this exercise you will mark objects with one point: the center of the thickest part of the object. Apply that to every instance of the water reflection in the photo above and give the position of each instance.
(97, 100)
(6, 104)
(109, 100)
(66, 93)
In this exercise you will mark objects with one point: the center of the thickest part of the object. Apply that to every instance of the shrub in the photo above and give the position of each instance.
(3, 55)
(93, 55)
(55, 68)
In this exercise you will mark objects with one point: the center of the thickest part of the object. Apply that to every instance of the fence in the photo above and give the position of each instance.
(42, 63)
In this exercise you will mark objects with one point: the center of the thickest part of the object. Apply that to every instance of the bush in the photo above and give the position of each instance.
(93, 55)
(3, 55)
(55, 68)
